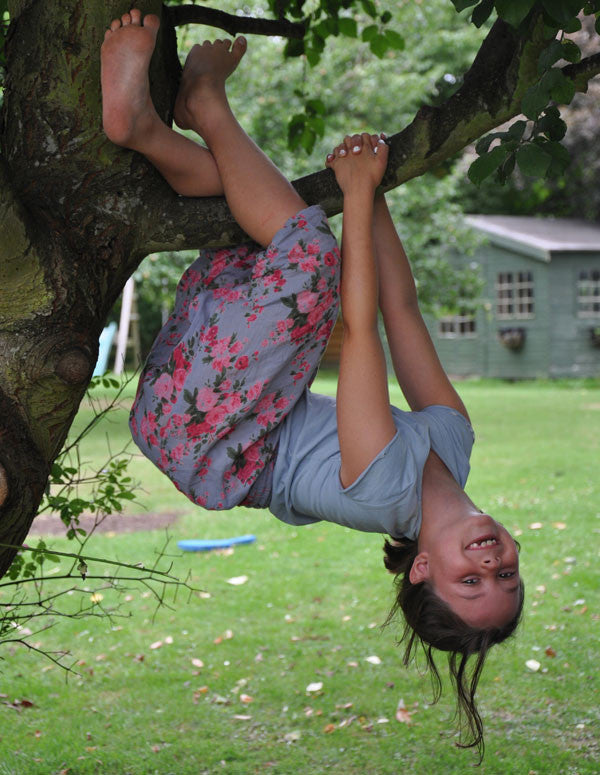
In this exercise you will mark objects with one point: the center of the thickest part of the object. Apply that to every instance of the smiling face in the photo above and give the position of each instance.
(473, 565)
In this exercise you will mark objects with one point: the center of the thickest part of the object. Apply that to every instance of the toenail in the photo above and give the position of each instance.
(329, 156)
(356, 149)
(343, 152)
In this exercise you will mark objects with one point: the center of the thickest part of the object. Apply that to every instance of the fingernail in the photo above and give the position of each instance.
(356, 149)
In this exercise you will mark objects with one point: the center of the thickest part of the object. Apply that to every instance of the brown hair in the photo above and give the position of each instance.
(432, 624)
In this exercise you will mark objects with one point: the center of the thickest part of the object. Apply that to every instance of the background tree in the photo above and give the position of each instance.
(77, 214)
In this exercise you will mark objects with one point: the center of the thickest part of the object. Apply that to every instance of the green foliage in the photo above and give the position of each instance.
(537, 151)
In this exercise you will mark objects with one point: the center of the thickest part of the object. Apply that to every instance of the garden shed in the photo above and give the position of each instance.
(541, 312)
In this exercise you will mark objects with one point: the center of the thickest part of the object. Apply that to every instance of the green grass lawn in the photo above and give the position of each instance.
(311, 611)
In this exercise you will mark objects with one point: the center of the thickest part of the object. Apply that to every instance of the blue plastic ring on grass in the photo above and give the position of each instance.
(206, 544)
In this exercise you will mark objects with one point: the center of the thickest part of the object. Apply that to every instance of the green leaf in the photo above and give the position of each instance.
(535, 100)
(514, 12)
(460, 5)
(370, 32)
(573, 26)
(485, 165)
(294, 48)
(517, 130)
(571, 51)
(563, 89)
(348, 27)
(315, 106)
(532, 160)
(385, 17)
(562, 11)
(552, 125)
(379, 46)
(505, 169)
(369, 8)
(549, 56)
(560, 158)
(395, 40)
(482, 12)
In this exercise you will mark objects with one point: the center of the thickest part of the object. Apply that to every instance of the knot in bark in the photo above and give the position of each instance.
(74, 366)
(3, 485)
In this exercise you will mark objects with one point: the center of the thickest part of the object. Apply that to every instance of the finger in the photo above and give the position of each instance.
(356, 143)
(366, 140)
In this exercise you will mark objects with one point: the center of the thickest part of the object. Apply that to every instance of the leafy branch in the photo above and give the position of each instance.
(533, 144)
(27, 582)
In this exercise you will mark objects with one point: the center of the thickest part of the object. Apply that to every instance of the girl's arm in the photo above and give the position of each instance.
(420, 374)
(364, 418)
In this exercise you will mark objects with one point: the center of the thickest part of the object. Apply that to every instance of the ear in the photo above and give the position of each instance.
(420, 568)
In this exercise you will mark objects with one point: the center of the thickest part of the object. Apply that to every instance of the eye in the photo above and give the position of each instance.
(470, 581)
(507, 574)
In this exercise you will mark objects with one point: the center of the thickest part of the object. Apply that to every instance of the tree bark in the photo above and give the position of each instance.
(78, 214)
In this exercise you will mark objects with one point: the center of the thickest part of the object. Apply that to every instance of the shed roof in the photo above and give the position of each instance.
(539, 237)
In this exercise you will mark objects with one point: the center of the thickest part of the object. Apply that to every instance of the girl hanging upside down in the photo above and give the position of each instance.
(224, 408)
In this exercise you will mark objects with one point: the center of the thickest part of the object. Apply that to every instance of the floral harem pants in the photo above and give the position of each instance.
(245, 339)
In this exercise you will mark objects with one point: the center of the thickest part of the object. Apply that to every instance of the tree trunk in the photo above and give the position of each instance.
(78, 214)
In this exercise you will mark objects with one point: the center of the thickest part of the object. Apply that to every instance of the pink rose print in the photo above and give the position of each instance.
(200, 413)
(163, 387)
(307, 301)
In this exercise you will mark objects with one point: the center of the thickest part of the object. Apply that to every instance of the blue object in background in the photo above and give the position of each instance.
(206, 544)
(105, 343)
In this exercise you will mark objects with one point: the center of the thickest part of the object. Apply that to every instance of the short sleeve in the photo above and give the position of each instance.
(452, 438)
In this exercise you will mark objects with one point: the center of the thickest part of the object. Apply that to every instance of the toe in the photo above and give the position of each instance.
(136, 16)
(239, 46)
(152, 21)
(126, 19)
(115, 24)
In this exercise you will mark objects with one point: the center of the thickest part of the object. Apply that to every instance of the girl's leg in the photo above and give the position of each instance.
(259, 196)
(130, 119)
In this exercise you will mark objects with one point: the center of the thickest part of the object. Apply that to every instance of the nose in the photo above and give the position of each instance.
(491, 561)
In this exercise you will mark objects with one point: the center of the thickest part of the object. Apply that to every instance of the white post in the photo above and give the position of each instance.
(123, 334)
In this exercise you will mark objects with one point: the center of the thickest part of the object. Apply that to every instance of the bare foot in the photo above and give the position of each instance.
(206, 69)
(127, 110)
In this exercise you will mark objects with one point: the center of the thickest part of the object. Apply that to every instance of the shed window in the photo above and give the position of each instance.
(588, 293)
(456, 326)
(514, 295)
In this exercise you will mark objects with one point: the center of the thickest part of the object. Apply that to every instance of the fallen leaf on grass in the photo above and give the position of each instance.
(536, 525)
(156, 645)
(374, 660)
(236, 581)
(403, 715)
(292, 737)
(329, 728)
(317, 686)
(96, 597)
(533, 665)
(550, 652)
(227, 635)
(559, 525)
(242, 717)
(197, 662)
(246, 699)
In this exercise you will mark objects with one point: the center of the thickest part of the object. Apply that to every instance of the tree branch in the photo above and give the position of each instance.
(505, 66)
(178, 15)
(584, 71)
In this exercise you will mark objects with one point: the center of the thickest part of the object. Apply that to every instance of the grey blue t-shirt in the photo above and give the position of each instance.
(386, 497)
